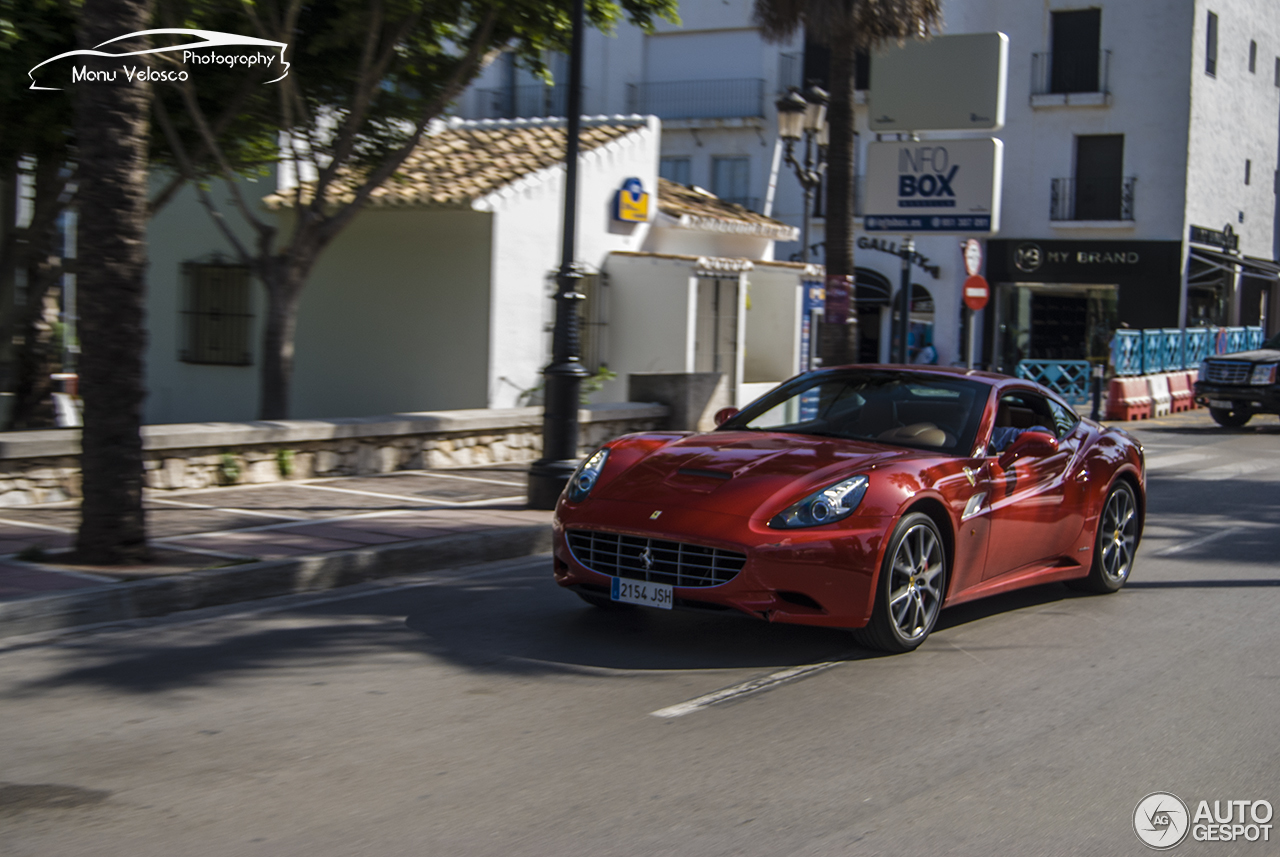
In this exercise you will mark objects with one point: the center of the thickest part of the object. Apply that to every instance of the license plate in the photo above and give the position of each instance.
(637, 592)
(1218, 403)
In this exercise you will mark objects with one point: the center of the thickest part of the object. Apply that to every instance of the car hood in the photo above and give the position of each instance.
(1261, 355)
(736, 471)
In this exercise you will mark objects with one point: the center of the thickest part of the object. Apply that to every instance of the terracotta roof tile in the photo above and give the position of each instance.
(696, 208)
(467, 160)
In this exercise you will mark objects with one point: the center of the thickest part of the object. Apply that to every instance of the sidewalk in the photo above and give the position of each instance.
(222, 545)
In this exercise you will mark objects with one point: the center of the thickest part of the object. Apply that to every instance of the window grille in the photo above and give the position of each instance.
(216, 316)
(1211, 46)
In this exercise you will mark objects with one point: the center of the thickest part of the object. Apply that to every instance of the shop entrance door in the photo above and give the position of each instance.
(1053, 321)
(715, 347)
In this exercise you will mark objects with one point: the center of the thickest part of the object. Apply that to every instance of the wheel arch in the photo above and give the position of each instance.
(937, 512)
(1135, 485)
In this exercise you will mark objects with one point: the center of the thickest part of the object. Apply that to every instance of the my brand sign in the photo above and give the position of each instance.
(934, 186)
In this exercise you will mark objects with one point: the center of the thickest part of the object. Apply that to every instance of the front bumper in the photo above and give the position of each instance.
(814, 576)
(1264, 399)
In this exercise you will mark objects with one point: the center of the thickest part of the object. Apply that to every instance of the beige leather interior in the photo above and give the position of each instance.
(925, 434)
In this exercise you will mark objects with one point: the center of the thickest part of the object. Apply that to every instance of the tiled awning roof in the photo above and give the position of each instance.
(695, 208)
(464, 161)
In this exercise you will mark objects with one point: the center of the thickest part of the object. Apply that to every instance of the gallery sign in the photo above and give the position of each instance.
(934, 186)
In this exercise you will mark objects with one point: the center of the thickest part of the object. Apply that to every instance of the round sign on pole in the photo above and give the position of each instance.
(972, 257)
(976, 293)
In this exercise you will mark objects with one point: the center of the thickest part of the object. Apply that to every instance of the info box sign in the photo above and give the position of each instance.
(934, 185)
(946, 83)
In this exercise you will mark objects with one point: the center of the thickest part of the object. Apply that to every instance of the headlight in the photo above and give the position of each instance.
(825, 506)
(584, 478)
(1202, 373)
(1264, 374)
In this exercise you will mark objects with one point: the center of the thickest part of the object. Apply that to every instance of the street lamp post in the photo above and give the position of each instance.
(563, 376)
(805, 117)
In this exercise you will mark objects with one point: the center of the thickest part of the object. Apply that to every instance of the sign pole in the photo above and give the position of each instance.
(972, 339)
(904, 318)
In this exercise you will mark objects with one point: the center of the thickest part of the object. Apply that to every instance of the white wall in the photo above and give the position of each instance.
(771, 344)
(1235, 116)
(696, 242)
(187, 392)
(653, 305)
(396, 316)
(528, 220)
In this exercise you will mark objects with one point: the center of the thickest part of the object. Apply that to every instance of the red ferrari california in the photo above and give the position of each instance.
(864, 497)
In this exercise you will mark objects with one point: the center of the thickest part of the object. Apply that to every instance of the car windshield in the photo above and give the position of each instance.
(1273, 342)
(896, 408)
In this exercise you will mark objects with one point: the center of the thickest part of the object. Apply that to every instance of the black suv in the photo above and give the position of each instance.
(1236, 386)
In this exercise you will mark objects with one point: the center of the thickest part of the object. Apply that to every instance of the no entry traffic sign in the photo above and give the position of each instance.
(976, 293)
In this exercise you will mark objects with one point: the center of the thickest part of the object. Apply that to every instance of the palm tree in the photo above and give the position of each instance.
(112, 131)
(846, 27)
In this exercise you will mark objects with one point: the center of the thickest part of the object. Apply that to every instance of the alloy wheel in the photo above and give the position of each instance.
(915, 588)
(1120, 535)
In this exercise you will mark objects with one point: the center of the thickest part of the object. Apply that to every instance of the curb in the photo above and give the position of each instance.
(160, 596)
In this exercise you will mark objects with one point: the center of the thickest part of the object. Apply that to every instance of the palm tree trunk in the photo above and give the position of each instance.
(837, 344)
(112, 130)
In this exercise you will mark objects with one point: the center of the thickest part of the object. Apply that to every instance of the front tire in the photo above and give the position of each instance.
(1234, 418)
(1116, 544)
(913, 582)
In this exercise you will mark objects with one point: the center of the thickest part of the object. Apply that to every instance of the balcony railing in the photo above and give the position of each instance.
(1092, 199)
(698, 99)
(524, 102)
(1066, 72)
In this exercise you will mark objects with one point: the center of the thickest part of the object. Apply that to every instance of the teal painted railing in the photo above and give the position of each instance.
(1145, 352)
(1067, 378)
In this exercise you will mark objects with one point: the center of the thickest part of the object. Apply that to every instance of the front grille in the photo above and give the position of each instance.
(1227, 372)
(654, 560)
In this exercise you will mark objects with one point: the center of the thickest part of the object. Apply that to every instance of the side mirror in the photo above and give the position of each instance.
(1034, 444)
(724, 415)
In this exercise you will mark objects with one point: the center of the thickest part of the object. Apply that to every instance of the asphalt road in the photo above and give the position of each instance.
(483, 711)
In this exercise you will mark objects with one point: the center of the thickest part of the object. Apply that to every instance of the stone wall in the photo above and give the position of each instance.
(44, 466)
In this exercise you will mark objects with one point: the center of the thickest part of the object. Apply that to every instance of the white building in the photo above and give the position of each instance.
(1136, 133)
(436, 296)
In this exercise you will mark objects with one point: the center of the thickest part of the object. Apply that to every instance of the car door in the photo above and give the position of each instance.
(1031, 520)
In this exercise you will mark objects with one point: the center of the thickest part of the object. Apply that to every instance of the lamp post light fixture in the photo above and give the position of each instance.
(804, 117)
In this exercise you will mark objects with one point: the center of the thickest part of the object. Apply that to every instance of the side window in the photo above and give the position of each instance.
(1017, 413)
(1065, 419)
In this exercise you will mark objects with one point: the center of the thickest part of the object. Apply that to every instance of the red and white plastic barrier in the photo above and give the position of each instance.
(1129, 399)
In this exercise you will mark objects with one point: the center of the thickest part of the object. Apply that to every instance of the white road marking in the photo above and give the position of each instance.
(746, 688)
(433, 474)
(305, 522)
(46, 527)
(1233, 470)
(1195, 543)
(424, 501)
(251, 512)
(1156, 462)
